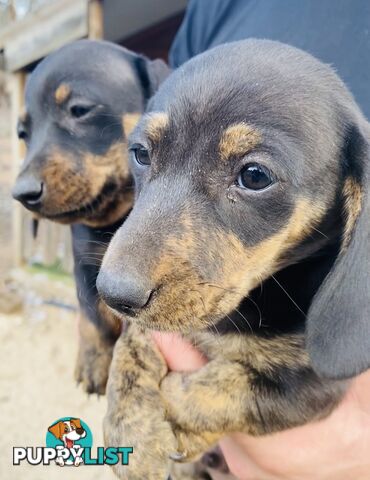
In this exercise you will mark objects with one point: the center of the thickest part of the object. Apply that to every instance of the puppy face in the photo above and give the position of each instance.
(75, 127)
(236, 164)
(68, 431)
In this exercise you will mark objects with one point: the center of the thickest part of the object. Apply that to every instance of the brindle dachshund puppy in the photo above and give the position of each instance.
(250, 236)
(81, 103)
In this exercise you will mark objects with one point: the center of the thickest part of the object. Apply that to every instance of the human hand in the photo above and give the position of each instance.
(336, 448)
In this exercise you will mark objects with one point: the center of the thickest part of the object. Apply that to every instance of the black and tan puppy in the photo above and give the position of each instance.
(250, 235)
(81, 103)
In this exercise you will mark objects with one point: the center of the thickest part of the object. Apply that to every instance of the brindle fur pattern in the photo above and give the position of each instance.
(254, 385)
(141, 418)
(97, 192)
(83, 165)
(248, 277)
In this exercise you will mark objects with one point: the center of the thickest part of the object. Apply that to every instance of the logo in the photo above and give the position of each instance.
(69, 443)
(69, 434)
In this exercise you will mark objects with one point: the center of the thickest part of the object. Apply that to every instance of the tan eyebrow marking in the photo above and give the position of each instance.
(238, 139)
(352, 206)
(156, 125)
(129, 122)
(62, 93)
(23, 116)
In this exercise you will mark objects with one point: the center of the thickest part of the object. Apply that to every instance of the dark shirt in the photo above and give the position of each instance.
(335, 31)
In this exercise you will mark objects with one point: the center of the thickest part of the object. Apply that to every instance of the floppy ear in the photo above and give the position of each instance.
(338, 324)
(56, 430)
(151, 74)
(76, 422)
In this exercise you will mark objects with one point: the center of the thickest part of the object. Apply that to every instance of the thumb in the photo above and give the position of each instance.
(179, 354)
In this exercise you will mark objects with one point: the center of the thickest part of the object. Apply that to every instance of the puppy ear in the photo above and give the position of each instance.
(76, 422)
(56, 430)
(151, 74)
(338, 323)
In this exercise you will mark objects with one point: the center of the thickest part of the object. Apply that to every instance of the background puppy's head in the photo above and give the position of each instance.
(252, 157)
(81, 103)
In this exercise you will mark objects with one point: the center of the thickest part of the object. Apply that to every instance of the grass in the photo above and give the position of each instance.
(53, 272)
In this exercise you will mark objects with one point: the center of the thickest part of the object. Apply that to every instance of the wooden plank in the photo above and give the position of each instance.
(96, 20)
(43, 31)
(16, 88)
(65, 253)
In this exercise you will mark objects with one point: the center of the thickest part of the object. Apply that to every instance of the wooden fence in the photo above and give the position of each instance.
(48, 25)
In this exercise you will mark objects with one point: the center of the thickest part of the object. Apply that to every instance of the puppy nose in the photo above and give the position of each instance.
(125, 293)
(80, 431)
(28, 190)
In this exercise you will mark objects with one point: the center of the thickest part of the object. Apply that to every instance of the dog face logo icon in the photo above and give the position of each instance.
(69, 434)
(68, 431)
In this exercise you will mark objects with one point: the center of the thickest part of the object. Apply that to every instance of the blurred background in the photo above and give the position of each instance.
(38, 307)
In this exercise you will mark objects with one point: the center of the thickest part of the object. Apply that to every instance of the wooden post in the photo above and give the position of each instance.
(94, 28)
(16, 88)
(95, 20)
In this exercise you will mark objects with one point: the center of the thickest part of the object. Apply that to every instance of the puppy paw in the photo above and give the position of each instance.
(189, 446)
(92, 367)
(181, 402)
(152, 440)
(60, 461)
(79, 461)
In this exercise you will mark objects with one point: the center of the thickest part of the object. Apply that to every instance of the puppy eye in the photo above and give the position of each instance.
(141, 155)
(255, 177)
(22, 134)
(79, 111)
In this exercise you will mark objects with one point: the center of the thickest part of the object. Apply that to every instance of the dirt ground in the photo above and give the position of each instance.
(37, 355)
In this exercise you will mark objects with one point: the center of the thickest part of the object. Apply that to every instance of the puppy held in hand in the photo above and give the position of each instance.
(249, 235)
(81, 103)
